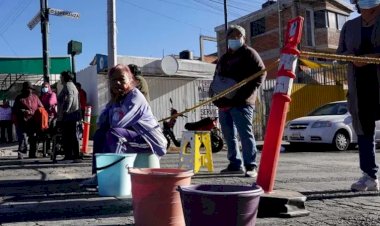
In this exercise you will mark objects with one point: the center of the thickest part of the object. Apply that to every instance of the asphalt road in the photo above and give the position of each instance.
(37, 192)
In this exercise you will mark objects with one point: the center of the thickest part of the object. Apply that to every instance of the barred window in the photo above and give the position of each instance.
(257, 27)
(320, 19)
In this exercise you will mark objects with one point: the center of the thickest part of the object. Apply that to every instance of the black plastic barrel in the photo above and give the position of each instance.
(220, 204)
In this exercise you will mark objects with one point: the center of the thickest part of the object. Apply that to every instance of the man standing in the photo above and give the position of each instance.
(236, 112)
(360, 37)
(141, 83)
(82, 97)
(69, 115)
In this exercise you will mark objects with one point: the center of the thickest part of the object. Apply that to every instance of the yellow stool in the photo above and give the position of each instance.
(190, 156)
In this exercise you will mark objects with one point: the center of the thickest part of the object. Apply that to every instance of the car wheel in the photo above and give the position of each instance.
(341, 141)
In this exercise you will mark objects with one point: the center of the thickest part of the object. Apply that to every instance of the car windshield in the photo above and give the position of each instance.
(330, 109)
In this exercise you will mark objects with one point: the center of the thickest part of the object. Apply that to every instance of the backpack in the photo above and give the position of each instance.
(41, 118)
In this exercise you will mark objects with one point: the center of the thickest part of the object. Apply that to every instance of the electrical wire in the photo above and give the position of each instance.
(165, 15)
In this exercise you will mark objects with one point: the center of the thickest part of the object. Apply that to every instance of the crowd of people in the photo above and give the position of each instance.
(29, 109)
(127, 123)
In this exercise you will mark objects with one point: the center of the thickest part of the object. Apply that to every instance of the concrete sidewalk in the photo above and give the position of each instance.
(37, 192)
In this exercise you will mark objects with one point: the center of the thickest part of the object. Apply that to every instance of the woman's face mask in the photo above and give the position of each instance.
(45, 90)
(368, 4)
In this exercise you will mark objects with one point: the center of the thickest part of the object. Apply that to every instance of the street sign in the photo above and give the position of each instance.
(34, 21)
(60, 12)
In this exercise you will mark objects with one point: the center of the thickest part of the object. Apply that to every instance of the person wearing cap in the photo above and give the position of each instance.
(69, 115)
(236, 113)
(141, 83)
(24, 107)
(361, 37)
(127, 124)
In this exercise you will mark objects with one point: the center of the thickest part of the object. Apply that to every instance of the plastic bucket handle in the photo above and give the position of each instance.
(111, 164)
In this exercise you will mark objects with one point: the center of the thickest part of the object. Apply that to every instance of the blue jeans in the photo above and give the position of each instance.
(234, 121)
(367, 155)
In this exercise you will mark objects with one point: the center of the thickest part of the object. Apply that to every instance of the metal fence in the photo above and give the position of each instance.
(333, 75)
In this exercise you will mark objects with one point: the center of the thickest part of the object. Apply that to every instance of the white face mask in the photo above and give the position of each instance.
(368, 4)
(45, 90)
(235, 44)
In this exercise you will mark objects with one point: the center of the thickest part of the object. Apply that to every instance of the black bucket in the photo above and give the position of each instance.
(220, 204)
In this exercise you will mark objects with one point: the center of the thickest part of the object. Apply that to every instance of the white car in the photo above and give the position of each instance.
(328, 124)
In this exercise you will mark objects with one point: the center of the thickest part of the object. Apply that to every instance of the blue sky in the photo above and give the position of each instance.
(151, 28)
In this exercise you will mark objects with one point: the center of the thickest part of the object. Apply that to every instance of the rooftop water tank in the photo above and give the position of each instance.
(186, 55)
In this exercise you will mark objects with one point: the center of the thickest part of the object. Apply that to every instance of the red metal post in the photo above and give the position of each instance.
(280, 105)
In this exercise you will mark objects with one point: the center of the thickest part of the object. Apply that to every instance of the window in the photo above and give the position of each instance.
(320, 19)
(341, 20)
(258, 27)
(329, 19)
(332, 20)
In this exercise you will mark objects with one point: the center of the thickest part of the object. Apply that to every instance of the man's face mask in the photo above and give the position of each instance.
(235, 44)
(367, 4)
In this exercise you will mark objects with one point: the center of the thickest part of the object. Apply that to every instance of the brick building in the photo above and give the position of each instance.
(323, 21)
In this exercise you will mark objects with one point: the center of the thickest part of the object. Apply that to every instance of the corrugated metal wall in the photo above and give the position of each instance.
(185, 93)
(307, 97)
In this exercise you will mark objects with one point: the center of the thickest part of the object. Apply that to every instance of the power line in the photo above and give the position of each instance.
(191, 7)
(7, 43)
(13, 15)
(229, 5)
(217, 7)
(165, 15)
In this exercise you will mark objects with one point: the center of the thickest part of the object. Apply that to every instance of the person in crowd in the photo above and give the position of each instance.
(363, 86)
(236, 113)
(25, 105)
(82, 97)
(69, 115)
(49, 100)
(6, 122)
(141, 83)
(83, 104)
(127, 124)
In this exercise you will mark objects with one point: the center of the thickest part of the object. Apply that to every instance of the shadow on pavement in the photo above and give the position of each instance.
(215, 175)
(38, 187)
(65, 209)
(39, 164)
(337, 194)
(38, 200)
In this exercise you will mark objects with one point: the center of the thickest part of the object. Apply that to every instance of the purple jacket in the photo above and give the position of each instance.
(133, 113)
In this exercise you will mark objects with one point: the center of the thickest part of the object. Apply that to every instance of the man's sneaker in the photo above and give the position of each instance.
(250, 171)
(366, 183)
(231, 170)
(90, 183)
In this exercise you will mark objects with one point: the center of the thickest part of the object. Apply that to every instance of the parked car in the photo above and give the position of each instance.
(328, 124)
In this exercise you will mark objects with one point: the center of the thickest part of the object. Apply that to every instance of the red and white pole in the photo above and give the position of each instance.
(280, 105)
(86, 128)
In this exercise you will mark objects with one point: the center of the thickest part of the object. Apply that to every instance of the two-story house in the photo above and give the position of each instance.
(265, 27)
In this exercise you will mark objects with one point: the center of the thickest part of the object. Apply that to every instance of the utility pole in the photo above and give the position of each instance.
(43, 17)
(44, 14)
(111, 28)
(225, 22)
